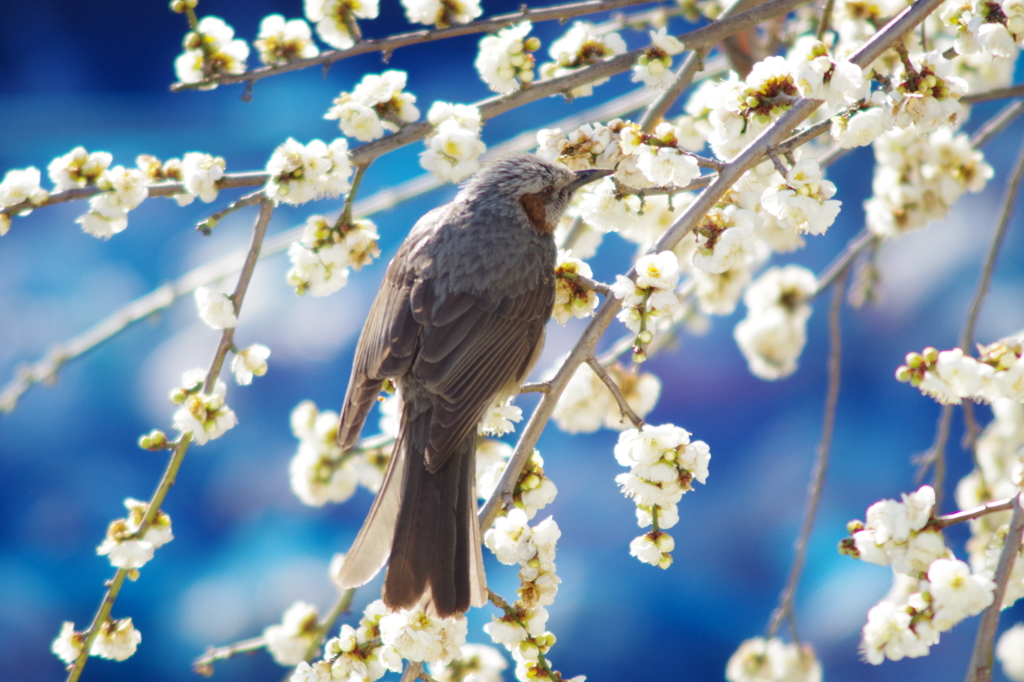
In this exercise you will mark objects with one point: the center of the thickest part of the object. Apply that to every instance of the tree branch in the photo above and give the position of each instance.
(980, 669)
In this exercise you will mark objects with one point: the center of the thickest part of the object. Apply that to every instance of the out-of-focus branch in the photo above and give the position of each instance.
(980, 669)
(817, 485)
(997, 124)
(995, 93)
(616, 392)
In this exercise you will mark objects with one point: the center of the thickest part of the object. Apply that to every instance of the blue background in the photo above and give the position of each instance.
(96, 74)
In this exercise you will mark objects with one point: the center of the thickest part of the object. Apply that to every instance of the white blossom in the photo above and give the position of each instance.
(127, 551)
(280, 41)
(224, 54)
(580, 46)
(772, 660)
(117, 640)
(418, 637)
(22, 185)
(957, 594)
(249, 362)
(888, 634)
(503, 61)
(453, 149)
(68, 644)
(200, 173)
(301, 173)
(329, 17)
(1010, 652)
(204, 416)
(290, 640)
(215, 308)
(441, 14)
(78, 168)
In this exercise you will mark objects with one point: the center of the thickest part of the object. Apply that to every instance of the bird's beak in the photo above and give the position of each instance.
(584, 177)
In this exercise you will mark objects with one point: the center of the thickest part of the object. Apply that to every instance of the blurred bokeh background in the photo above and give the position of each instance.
(97, 74)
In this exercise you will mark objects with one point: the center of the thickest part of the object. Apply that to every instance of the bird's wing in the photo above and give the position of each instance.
(471, 348)
(385, 349)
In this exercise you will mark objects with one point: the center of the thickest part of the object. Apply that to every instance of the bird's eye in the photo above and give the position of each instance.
(547, 190)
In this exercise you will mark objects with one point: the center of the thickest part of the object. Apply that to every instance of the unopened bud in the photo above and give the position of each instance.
(665, 561)
(644, 337)
(639, 356)
(903, 374)
(930, 355)
(665, 543)
(531, 44)
(154, 440)
(193, 40)
(914, 360)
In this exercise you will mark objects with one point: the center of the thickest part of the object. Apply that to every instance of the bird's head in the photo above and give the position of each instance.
(540, 188)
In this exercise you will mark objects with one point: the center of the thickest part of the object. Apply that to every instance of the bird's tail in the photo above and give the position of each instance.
(427, 522)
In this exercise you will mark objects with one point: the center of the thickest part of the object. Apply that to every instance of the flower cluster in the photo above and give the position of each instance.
(355, 654)
(895, 534)
(861, 127)
(78, 168)
(928, 94)
(741, 110)
(476, 663)
(454, 147)
(301, 173)
(950, 376)
(659, 157)
(199, 174)
(725, 238)
(592, 145)
(581, 46)
(571, 298)
(321, 259)
(335, 20)
(320, 472)
(375, 104)
(441, 13)
(123, 544)
(804, 203)
(948, 594)
(116, 641)
(534, 490)
(934, 591)
(819, 76)
(123, 189)
(999, 456)
(505, 61)
(210, 50)
(772, 660)
(280, 41)
(989, 29)
(654, 66)
(650, 301)
(20, 186)
(918, 179)
(774, 332)
(204, 416)
(523, 627)
(586, 403)
(663, 465)
(419, 637)
(290, 640)
(250, 362)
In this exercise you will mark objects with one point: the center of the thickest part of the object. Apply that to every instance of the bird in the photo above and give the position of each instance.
(456, 325)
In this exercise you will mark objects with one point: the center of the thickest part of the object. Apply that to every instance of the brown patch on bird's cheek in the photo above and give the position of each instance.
(535, 206)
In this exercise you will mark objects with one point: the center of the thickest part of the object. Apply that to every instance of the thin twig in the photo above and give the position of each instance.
(995, 93)
(842, 261)
(346, 213)
(171, 472)
(627, 411)
(204, 664)
(968, 515)
(206, 226)
(997, 124)
(592, 285)
(535, 387)
(980, 669)
(684, 77)
(412, 671)
(821, 464)
(340, 607)
(826, 16)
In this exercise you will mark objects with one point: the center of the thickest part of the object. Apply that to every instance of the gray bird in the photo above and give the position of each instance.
(457, 324)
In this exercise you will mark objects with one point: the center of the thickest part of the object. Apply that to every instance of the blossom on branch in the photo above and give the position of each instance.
(335, 20)
(441, 13)
(249, 362)
(123, 544)
(376, 104)
(579, 47)
(204, 416)
(301, 173)
(280, 41)
(505, 61)
(774, 332)
(454, 147)
(211, 50)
